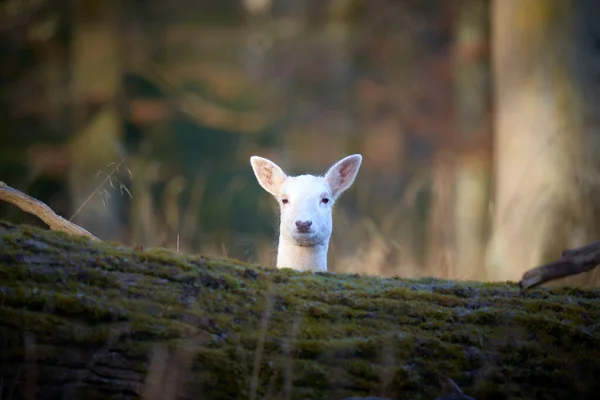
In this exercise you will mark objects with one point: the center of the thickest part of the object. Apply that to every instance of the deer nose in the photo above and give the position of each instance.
(303, 226)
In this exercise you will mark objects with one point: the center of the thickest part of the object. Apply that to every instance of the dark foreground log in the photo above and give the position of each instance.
(82, 319)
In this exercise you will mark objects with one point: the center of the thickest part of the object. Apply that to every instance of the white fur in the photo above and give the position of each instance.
(305, 199)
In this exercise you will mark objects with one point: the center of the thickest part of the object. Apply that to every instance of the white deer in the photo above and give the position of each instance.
(306, 202)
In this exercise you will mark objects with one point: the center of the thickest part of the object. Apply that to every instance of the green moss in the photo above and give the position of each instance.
(108, 303)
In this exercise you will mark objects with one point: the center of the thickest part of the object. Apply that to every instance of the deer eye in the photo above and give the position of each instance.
(325, 200)
(284, 201)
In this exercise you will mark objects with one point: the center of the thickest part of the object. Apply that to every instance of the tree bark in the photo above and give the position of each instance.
(88, 320)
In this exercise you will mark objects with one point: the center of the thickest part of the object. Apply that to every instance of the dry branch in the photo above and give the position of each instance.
(42, 211)
(572, 262)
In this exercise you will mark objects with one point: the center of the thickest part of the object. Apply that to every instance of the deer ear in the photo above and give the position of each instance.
(268, 174)
(341, 175)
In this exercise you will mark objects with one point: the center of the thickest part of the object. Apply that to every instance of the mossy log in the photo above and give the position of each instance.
(83, 319)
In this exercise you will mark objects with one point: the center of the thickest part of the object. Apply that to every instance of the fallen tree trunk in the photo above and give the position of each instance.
(84, 319)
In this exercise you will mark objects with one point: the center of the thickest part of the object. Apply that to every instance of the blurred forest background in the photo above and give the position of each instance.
(478, 121)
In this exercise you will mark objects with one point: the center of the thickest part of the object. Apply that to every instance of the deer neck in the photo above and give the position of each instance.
(303, 258)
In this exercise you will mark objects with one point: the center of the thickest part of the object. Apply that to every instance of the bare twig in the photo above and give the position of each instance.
(42, 211)
(572, 262)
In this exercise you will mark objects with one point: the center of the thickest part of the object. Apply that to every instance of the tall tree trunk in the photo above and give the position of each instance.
(440, 248)
(472, 89)
(543, 135)
(96, 81)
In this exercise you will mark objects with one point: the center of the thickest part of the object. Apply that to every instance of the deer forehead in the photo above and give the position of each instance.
(305, 187)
